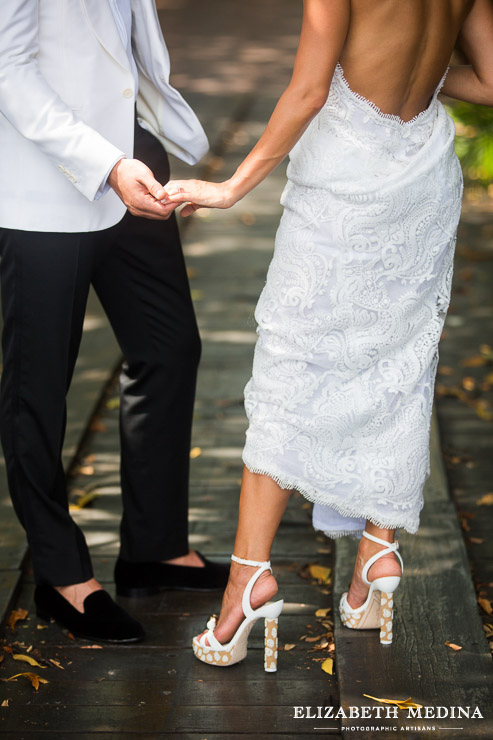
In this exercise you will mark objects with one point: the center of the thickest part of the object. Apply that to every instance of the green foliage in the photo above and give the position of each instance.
(474, 141)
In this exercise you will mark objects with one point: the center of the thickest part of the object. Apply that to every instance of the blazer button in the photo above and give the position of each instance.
(128, 93)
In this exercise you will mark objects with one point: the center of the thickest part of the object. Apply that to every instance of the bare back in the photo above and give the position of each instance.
(396, 51)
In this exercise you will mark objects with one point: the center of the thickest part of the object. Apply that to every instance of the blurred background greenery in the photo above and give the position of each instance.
(474, 142)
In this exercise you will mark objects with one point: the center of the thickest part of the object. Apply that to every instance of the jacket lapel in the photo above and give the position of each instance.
(100, 19)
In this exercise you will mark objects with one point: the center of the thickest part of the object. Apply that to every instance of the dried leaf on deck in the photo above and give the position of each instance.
(401, 703)
(289, 646)
(323, 612)
(320, 573)
(486, 351)
(97, 426)
(488, 628)
(320, 646)
(453, 645)
(485, 604)
(445, 370)
(195, 452)
(32, 677)
(476, 540)
(82, 501)
(328, 666)
(90, 647)
(16, 615)
(2, 656)
(113, 403)
(474, 361)
(468, 383)
(486, 500)
(56, 662)
(27, 659)
(5, 702)
(41, 626)
(484, 409)
(313, 639)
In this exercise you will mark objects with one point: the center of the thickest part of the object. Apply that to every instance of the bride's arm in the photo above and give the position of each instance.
(474, 82)
(324, 30)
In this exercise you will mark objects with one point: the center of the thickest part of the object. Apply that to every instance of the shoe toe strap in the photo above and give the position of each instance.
(208, 640)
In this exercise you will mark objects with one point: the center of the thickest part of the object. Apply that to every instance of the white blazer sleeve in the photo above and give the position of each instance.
(37, 112)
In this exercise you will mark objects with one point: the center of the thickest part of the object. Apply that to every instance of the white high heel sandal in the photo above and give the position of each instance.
(377, 611)
(235, 650)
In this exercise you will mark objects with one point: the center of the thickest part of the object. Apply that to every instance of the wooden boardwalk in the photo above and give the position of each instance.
(157, 689)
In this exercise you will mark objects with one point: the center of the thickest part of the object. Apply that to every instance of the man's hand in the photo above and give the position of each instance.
(135, 184)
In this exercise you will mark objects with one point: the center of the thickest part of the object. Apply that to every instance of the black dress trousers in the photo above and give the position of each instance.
(138, 271)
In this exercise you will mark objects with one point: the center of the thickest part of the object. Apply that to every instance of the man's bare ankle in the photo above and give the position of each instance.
(76, 593)
(191, 559)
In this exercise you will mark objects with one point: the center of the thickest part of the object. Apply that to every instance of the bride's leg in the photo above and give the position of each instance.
(262, 505)
(387, 565)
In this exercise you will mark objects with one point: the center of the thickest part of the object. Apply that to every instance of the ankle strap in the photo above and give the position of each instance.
(262, 566)
(379, 540)
(389, 547)
(253, 563)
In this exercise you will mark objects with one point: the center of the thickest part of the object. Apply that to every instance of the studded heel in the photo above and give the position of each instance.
(378, 610)
(209, 650)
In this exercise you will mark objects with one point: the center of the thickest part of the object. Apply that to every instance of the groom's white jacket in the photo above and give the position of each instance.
(67, 109)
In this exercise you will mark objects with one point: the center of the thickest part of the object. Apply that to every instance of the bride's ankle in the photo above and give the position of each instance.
(386, 565)
(263, 590)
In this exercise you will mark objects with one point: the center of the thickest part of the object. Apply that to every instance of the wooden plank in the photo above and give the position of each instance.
(66, 720)
(162, 692)
(273, 720)
(436, 602)
(142, 663)
(177, 631)
(39, 735)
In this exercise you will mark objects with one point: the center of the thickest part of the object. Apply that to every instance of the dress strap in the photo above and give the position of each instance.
(442, 82)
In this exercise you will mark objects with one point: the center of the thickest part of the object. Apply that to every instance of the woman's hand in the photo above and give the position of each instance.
(324, 30)
(198, 194)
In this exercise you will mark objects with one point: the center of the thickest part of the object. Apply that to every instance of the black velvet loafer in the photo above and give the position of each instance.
(145, 579)
(102, 620)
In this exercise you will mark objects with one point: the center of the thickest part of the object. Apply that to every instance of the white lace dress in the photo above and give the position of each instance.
(340, 399)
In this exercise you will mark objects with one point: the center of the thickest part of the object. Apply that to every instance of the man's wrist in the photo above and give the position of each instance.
(112, 178)
(105, 183)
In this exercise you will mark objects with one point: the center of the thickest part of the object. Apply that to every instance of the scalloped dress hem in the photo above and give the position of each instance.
(289, 483)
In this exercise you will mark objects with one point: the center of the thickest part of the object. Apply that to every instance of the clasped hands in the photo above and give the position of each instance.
(144, 196)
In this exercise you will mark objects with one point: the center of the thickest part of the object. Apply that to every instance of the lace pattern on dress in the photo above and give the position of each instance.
(340, 399)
